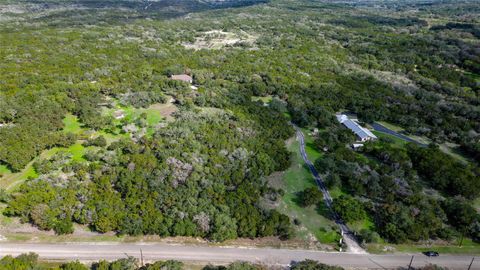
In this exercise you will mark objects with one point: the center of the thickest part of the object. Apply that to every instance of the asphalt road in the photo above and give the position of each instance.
(384, 129)
(111, 251)
(350, 241)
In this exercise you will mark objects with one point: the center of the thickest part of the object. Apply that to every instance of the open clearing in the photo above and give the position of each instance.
(165, 110)
(217, 39)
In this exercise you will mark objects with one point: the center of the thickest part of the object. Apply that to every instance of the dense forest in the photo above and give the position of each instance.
(201, 170)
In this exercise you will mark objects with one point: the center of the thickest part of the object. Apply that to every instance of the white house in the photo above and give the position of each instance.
(362, 133)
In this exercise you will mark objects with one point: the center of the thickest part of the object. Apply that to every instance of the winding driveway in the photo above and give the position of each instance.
(348, 237)
(381, 128)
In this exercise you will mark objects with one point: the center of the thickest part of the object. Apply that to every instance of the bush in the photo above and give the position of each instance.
(99, 141)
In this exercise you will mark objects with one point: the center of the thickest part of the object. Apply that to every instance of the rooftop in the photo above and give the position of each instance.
(355, 127)
(182, 77)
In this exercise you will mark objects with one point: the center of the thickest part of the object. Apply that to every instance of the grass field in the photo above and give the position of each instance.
(4, 169)
(10, 180)
(396, 141)
(77, 150)
(71, 124)
(310, 149)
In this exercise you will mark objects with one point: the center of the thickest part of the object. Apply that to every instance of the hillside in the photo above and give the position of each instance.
(96, 134)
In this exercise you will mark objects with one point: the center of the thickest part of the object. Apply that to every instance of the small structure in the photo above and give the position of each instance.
(356, 146)
(119, 114)
(362, 133)
(182, 77)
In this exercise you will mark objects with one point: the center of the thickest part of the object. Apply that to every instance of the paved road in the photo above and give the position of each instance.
(384, 129)
(112, 251)
(350, 241)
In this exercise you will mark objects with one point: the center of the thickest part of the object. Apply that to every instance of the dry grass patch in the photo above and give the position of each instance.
(165, 109)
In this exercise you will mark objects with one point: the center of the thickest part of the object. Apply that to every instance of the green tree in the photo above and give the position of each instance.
(164, 265)
(313, 265)
(349, 208)
(74, 266)
(311, 196)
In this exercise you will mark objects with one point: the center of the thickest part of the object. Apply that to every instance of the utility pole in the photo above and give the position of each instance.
(141, 257)
(470, 266)
(410, 264)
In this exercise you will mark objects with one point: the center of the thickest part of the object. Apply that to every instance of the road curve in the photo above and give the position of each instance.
(350, 241)
(111, 251)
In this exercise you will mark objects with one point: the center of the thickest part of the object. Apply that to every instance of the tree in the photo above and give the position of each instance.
(21, 262)
(74, 266)
(461, 214)
(349, 208)
(129, 263)
(242, 266)
(223, 228)
(313, 265)
(311, 196)
(164, 265)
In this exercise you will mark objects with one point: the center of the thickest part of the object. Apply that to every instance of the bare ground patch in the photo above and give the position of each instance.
(217, 39)
(166, 110)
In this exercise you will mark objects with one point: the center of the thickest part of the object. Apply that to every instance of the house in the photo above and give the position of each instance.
(182, 77)
(362, 133)
(119, 114)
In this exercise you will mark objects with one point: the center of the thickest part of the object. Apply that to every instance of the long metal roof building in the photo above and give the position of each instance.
(363, 133)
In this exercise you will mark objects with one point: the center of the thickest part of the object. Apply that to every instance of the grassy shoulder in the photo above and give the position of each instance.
(467, 247)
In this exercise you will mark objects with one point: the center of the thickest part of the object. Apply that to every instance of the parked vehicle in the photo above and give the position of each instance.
(431, 253)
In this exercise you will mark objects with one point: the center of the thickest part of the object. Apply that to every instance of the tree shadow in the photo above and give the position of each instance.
(323, 210)
(297, 199)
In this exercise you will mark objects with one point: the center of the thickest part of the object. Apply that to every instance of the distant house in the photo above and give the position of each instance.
(182, 77)
(362, 133)
(119, 114)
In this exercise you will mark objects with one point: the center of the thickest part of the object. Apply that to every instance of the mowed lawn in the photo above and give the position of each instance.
(313, 220)
(71, 124)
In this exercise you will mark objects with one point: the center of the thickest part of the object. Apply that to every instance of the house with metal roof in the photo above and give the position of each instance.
(182, 77)
(362, 133)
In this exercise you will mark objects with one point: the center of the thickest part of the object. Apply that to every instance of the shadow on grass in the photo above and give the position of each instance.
(323, 210)
(297, 199)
